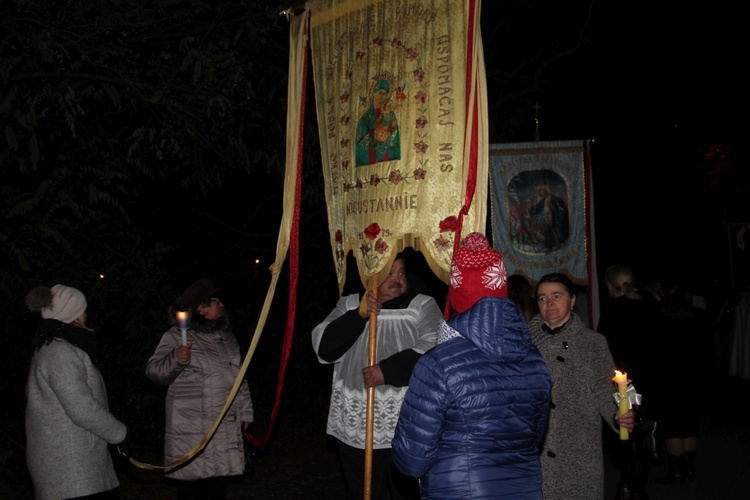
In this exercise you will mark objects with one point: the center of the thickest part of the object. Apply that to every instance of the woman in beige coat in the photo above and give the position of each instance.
(200, 376)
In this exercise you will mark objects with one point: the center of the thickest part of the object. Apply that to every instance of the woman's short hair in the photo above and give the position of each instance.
(557, 278)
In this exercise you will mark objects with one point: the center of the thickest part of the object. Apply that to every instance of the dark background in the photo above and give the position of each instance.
(143, 148)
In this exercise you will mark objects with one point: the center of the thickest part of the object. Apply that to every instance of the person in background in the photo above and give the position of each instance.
(520, 292)
(406, 328)
(68, 423)
(684, 342)
(200, 376)
(630, 324)
(582, 370)
(476, 408)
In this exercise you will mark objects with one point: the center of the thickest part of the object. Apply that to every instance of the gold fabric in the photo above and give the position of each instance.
(391, 95)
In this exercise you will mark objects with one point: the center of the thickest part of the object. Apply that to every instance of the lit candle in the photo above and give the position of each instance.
(183, 322)
(621, 378)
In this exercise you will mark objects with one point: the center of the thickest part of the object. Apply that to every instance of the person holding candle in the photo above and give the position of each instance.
(477, 405)
(68, 423)
(200, 376)
(631, 324)
(582, 369)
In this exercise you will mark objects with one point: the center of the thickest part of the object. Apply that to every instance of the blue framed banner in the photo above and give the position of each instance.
(541, 206)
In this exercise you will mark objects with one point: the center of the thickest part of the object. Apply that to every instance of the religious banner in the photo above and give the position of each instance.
(540, 210)
(398, 87)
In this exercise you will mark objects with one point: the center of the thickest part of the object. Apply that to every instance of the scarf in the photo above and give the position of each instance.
(52, 329)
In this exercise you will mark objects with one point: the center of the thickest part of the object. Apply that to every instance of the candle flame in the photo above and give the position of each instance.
(183, 319)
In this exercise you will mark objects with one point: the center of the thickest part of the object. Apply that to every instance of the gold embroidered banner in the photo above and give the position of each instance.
(393, 106)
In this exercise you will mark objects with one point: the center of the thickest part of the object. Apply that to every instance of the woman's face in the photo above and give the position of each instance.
(211, 309)
(81, 320)
(555, 304)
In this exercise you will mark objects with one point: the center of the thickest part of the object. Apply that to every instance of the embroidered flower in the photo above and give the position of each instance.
(372, 231)
(442, 244)
(421, 146)
(395, 177)
(381, 246)
(450, 223)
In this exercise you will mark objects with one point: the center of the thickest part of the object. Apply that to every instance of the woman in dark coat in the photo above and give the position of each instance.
(631, 324)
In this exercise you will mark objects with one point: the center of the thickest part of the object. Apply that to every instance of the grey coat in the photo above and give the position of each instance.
(582, 388)
(68, 425)
(197, 394)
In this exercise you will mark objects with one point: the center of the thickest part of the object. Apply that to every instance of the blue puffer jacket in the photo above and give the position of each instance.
(476, 409)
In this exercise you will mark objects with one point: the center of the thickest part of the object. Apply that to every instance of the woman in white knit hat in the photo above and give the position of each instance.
(68, 423)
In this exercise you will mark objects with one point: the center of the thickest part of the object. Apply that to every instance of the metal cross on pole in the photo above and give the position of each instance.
(537, 107)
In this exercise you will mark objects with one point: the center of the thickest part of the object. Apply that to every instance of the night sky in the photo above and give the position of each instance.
(654, 87)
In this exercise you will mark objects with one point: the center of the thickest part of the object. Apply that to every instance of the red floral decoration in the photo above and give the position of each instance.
(450, 223)
(372, 231)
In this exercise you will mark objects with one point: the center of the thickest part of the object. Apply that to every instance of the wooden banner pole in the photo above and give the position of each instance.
(372, 349)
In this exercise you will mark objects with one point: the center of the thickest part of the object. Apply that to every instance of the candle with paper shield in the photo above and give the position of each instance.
(621, 378)
(183, 322)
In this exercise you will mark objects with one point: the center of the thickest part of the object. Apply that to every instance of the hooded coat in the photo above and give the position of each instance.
(476, 409)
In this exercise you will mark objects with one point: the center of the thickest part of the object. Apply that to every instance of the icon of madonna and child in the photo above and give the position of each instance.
(377, 135)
